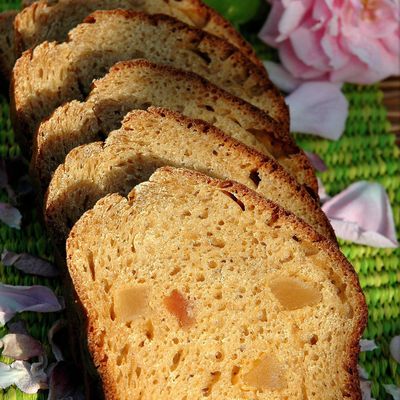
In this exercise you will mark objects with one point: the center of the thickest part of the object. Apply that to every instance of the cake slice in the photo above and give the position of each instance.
(52, 20)
(52, 73)
(195, 287)
(158, 137)
(138, 84)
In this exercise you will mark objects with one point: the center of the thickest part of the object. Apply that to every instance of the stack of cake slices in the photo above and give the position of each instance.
(185, 218)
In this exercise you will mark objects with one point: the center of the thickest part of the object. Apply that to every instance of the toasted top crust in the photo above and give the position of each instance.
(221, 246)
(51, 74)
(140, 83)
(52, 20)
(156, 137)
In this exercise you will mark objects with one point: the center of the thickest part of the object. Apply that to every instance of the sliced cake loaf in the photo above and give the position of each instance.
(158, 137)
(195, 287)
(52, 73)
(52, 20)
(138, 84)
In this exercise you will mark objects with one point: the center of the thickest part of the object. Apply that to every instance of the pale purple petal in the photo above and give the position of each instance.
(316, 161)
(366, 390)
(10, 216)
(367, 345)
(63, 383)
(15, 299)
(393, 390)
(318, 108)
(280, 77)
(363, 215)
(17, 327)
(20, 347)
(56, 327)
(323, 195)
(395, 348)
(29, 378)
(29, 264)
(363, 374)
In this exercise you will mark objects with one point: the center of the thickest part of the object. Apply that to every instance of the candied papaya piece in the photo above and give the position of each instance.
(266, 374)
(130, 302)
(294, 293)
(180, 307)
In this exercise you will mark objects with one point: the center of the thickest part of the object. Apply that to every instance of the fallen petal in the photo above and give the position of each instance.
(17, 327)
(20, 347)
(27, 377)
(316, 161)
(281, 77)
(29, 264)
(318, 108)
(363, 215)
(15, 299)
(366, 390)
(395, 348)
(367, 345)
(323, 195)
(63, 383)
(56, 327)
(10, 216)
(393, 390)
(362, 372)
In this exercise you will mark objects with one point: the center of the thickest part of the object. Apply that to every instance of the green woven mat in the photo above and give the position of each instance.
(366, 151)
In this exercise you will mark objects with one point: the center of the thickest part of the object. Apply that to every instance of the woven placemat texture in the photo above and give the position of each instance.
(367, 151)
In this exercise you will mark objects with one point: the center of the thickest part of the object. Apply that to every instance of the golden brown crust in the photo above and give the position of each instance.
(284, 148)
(266, 165)
(254, 80)
(278, 217)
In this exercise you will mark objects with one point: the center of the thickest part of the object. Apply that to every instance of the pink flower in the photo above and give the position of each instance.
(354, 41)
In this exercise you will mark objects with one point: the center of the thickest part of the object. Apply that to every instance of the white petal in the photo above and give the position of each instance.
(367, 345)
(395, 348)
(27, 377)
(366, 390)
(362, 372)
(393, 390)
(318, 108)
(363, 215)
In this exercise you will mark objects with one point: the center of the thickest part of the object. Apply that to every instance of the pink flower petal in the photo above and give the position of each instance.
(337, 57)
(306, 46)
(316, 161)
(280, 77)
(15, 299)
(393, 390)
(56, 327)
(270, 31)
(395, 348)
(290, 19)
(310, 102)
(296, 67)
(20, 347)
(10, 216)
(367, 345)
(29, 378)
(363, 215)
(29, 264)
